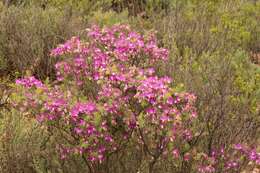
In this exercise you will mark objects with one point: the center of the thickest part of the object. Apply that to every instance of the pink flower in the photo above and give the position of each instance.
(238, 147)
(29, 82)
(187, 157)
(176, 153)
(87, 108)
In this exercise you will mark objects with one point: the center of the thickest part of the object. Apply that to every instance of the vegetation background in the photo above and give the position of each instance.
(214, 53)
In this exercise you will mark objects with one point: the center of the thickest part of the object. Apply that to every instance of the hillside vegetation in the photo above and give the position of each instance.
(138, 86)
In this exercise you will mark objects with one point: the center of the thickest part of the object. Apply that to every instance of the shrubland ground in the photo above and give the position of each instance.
(214, 51)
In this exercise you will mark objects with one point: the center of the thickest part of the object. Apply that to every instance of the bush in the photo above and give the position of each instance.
(27, 36)
(207, 26)
(227, 90)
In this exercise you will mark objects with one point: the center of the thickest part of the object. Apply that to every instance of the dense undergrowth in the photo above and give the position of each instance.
(120, 95)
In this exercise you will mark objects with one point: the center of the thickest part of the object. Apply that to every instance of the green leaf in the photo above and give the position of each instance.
(141, 120)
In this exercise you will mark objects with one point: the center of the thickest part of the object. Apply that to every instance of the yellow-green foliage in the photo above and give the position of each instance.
(109, 18)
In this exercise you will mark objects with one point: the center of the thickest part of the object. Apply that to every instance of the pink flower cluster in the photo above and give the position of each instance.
(231, 159)
(250, 153)
(115, 45)
(30, 82)
(153, 89)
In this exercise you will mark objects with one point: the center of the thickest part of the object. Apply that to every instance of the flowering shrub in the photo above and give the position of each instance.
(107, 93)
(230, 161)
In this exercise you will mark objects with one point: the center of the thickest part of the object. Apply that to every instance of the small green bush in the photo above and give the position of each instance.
(28, 34)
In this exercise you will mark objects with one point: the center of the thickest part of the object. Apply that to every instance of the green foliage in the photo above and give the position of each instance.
(210, 43)
(84, 7)
(227, 87)
(27, 147)
(109, 18)
(204, 26)
(28, 34)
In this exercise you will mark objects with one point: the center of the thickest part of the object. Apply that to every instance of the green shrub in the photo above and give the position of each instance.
(28, 34)
(227, 88)
(207, 26)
